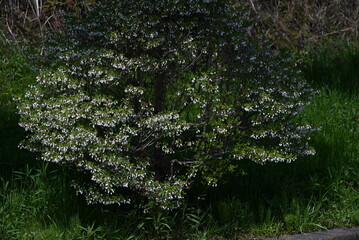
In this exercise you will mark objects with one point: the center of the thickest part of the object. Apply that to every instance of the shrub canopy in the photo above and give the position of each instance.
(146, 96)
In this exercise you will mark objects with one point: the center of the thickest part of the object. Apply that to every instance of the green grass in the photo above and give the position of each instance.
(15, 75)
(334, 64)
(313, 193)
(38, 204)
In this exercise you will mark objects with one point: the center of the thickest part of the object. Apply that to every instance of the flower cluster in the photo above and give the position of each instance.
(147, 94)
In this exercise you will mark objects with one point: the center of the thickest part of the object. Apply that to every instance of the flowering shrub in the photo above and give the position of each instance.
(148, 95)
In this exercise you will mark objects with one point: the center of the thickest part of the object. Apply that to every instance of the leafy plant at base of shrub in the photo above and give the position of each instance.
(149, 95)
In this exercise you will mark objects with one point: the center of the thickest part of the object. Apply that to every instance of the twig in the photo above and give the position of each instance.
(10, 31)
(254, 8)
